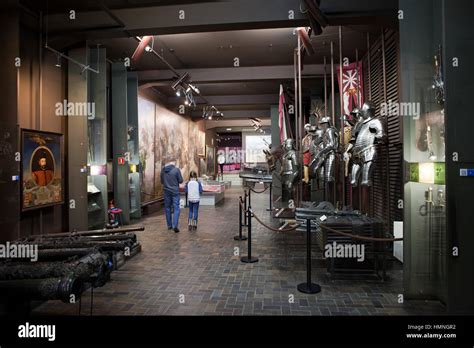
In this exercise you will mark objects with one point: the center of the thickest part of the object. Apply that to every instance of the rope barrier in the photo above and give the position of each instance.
(251, 189)
(272, 228)
(354, 236)
(265, 225)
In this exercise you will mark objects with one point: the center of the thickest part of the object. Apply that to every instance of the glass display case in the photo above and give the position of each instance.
(422, 103)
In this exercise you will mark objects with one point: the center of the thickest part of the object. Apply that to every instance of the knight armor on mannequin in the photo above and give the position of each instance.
(327, 154)
(315, 148)
(364, 152)
(290, 164)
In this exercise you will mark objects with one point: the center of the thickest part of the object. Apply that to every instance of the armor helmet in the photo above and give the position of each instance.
(356, 112)
(289, 144)
(368, 110)
(325, 119)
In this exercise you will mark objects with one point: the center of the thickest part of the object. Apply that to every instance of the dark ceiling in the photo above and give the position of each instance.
(207, 44)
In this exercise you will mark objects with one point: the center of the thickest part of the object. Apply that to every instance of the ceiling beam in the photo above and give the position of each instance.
(152, 78)
(215, 16)
(250, 99)
(198, 17)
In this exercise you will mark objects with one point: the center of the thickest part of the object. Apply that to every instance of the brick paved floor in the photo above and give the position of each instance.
(201, 268)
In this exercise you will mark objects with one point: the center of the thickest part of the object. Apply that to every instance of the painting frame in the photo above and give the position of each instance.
(42, 185)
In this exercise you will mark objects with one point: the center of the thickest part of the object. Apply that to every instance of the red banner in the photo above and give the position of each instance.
(353, 86)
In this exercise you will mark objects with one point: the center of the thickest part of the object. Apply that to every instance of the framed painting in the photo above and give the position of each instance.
(42, 182)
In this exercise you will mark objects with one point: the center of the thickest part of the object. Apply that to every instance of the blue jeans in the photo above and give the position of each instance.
(193, 210)
(172, 200)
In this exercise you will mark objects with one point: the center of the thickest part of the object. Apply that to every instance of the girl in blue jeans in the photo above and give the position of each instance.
(193, 189)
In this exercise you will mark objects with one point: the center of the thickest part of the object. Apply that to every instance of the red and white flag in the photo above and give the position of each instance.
(352, 86)
(282, 116)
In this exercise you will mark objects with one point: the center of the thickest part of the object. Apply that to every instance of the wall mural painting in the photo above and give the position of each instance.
(146, 112)
(42, 178)
(164, 133)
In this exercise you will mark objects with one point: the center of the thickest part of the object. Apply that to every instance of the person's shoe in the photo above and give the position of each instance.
(195, 225)
(176, 229)
(170, 228)
(190, 227)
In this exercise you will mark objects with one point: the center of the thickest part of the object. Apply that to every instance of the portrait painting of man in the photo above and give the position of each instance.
(42, 179)
(42, 167)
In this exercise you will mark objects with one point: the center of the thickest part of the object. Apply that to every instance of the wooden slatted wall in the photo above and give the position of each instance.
(383, 86)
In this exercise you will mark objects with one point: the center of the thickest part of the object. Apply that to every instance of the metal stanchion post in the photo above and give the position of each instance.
(308, 287)
(240, 237)
(271, 205)
(249, 258)
(245, 208)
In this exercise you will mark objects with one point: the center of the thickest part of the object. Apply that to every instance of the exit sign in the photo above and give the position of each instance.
(121, 161)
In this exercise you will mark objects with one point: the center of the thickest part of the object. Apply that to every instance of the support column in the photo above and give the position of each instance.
(77, 144)
(97, 135)
(9, 190)
(119, 143)
(135, 170)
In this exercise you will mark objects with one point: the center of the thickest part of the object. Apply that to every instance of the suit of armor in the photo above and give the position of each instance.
(327, 154)
(290, 164)
(307, 145)
(315, 149)
(364, 152)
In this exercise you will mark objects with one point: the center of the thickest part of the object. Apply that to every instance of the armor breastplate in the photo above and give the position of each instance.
(330, 139)
(365, 137)
(288, 163)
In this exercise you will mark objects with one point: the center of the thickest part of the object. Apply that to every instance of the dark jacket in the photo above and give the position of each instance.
(171, 178)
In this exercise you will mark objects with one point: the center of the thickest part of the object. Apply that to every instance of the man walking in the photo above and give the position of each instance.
(170, 179)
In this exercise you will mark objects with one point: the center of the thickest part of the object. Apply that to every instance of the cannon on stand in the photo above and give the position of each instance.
(67, 264)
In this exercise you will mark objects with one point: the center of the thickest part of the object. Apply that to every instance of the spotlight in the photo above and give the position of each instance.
(58, 62)
(178, 93)
(148, 48)
(186, 102)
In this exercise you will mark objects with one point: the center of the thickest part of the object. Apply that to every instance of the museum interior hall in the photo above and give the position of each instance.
(236, 158)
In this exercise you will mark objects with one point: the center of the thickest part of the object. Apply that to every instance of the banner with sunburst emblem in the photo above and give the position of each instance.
(352, 86)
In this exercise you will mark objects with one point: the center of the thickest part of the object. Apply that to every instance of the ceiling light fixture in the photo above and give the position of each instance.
(209, 112)
(58, 62)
